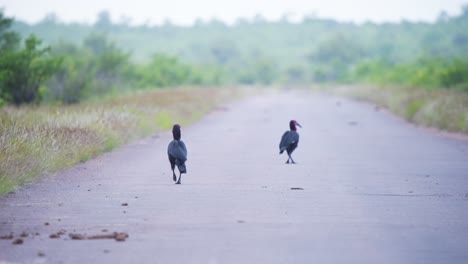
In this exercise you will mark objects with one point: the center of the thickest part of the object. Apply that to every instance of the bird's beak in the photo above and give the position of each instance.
(299, 125)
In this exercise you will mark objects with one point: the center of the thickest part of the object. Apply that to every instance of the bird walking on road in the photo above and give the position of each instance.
(289, 140)
(177, 153)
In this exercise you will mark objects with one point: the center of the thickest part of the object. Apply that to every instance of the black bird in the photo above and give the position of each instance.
(177, 153)
(289, 140)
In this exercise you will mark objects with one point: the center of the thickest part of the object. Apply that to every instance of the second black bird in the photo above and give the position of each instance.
(289, 140)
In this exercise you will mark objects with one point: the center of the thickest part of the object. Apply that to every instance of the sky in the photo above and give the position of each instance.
(185, 12)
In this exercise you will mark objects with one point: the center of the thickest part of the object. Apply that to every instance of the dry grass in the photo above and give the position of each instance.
(443, 109)
(39, 140)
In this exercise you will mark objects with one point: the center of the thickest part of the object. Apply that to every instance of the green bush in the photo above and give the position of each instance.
(426, 72)
(22, 70)
(455, 75)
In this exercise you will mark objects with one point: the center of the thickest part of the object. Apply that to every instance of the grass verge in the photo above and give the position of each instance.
(38, 140)
(443, 109)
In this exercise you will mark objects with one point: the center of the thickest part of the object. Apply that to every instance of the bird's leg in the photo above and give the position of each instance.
(287, 162)
(174, 178)
(180, 177)
(292, 161)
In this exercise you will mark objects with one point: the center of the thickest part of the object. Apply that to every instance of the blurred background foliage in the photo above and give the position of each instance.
(69, 62)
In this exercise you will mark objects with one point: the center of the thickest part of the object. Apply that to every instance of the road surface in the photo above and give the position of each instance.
(368, 188)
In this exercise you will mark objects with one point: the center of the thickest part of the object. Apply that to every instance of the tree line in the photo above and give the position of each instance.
(70, 62)
(31, 72)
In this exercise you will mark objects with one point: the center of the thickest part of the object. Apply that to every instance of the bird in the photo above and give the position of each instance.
(177, 153)
(289, 140)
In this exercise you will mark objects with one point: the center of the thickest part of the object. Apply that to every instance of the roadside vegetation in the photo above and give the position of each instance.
(430, 92)
(438, 108)
(428, 73)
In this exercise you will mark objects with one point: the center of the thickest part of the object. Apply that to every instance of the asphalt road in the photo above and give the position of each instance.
(375, 189)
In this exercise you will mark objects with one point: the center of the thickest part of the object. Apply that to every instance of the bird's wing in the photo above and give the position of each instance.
(288, 138)
(284, 140)
(183, 148)
(177, 150)
(295, 137)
